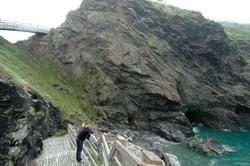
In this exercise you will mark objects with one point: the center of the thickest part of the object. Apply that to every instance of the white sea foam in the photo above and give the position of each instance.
(243, 130)
(196, 130)
(226, 130)
(229, 148)
(213, 162)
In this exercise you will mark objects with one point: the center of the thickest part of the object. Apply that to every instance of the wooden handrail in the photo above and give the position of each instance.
(119, 155)
(127, 156)
(105, 145)
(102, 158)
(92, 147)
(91, 158)
(115, 162)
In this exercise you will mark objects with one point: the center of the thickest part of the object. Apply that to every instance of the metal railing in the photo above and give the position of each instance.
(25, 27)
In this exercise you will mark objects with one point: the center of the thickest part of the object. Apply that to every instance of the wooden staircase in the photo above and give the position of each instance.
(57, 151)
(61, 151)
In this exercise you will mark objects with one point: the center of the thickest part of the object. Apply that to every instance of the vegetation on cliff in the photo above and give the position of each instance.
(54, 83)
(237, 31)
(151, 66)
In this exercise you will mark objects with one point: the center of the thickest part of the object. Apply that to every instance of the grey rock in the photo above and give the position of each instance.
(21, 131)
(149, 68)
(208, 146)
(171, 159)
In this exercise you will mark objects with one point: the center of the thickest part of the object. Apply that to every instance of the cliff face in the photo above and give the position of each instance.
(152, 68)
(25, 119)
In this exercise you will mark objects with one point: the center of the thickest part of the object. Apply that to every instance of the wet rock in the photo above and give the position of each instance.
(208, 146)
(171, 159)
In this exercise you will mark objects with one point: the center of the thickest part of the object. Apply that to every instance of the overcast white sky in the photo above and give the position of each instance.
(53, 12)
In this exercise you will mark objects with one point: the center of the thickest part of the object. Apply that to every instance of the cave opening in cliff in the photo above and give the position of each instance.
(242, 110)
(131, 120)
(193, 117)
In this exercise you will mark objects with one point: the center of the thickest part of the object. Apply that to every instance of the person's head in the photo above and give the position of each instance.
(89, 126)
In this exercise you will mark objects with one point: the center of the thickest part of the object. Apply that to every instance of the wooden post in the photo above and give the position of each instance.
(120, 158)
(151, 158)
(122, 140)
(105, 144)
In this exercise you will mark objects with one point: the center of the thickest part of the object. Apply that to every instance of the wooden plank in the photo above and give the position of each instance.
(91, 158)
(92, 148)
(122, 140)
(102, 157)
(130, 158)
(115, 162)
(105, 145)
(112, 152)
(151, 158)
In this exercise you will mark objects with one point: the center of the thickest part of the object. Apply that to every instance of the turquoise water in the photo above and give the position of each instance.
(236, 143)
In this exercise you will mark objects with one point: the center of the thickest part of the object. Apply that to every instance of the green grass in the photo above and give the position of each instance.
(62, 132)
(234, 31)
(172, 10)
(92, 155)
(237, 31)
(40, 113)
(58, 86)
(239, 90)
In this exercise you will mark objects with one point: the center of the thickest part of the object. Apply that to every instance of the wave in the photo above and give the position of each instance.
(226, 130)
(196, 127)
(213, 162)
(229, 148)
(242, 129)
(196, 130)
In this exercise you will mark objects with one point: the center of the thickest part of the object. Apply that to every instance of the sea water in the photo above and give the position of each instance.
(235, 142)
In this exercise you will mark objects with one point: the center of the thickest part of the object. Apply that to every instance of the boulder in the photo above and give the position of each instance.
(206, 145)
(171, 159)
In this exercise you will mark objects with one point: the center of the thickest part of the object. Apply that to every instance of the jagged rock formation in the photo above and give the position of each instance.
(206, 145)
(25, 119)
(152, 68)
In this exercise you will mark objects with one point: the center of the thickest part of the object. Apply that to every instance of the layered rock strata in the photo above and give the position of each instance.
(152, 67)
(26, 119)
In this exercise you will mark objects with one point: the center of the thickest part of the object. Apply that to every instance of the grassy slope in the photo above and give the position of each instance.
(234, 31)
(55, 84)
(172, 10)
(29, 70)
(237, 31)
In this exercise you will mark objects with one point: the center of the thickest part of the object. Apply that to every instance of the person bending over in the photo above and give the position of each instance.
(84, 133)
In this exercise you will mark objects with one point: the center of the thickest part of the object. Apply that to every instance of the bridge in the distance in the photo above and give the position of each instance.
(25, 27)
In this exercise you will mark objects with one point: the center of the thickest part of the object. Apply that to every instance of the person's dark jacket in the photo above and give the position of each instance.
(84, 133)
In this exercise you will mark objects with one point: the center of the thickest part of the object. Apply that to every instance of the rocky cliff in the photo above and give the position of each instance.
(152, 67)
(26, 119)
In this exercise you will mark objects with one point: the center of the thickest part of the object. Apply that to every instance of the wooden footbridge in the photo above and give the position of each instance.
(25, 27)
(61, 151)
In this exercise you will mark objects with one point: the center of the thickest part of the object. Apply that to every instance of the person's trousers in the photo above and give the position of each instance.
(79, 144)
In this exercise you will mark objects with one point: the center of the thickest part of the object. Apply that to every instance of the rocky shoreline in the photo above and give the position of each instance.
(145, 68)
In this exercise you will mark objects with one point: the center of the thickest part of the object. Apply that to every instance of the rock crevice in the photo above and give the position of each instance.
(22, 127)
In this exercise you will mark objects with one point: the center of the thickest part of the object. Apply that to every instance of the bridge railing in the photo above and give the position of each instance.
(119, 154)
(19, 26)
